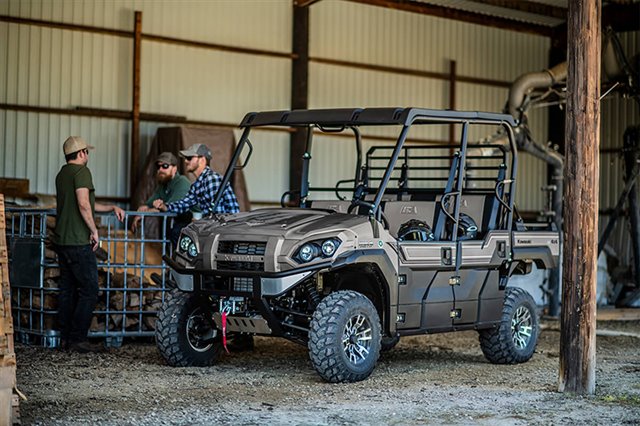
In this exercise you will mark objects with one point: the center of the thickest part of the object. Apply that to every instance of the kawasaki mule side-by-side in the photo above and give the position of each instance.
(423, 239)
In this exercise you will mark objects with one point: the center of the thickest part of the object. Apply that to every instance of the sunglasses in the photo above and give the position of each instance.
(189, 157)
(164, 166)
(86, 151)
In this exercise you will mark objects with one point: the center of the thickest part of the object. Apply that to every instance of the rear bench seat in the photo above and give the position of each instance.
(399, 212)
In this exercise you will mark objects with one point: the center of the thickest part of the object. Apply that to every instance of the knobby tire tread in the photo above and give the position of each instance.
(497, 343)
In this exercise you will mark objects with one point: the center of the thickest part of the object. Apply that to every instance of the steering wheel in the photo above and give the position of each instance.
(358, 198)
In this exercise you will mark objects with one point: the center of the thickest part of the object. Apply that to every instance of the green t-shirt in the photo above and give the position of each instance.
(70, 227)
(174, 190)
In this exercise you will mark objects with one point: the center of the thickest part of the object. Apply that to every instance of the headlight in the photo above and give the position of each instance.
(319, 248)
(192, 251)
(328, 248)
(185, 242)
(308, 252)
(188, 246)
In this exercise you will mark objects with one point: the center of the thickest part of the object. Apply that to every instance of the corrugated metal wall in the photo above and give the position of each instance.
(372, 35)
(62, 68)
(65, 69)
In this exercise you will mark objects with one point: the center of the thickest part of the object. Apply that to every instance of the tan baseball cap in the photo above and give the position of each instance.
(75, 144)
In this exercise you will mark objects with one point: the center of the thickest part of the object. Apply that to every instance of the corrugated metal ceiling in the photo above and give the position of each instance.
(491, 8)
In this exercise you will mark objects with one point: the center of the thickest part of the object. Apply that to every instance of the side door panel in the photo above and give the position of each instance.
(479, 277)
(426, 296)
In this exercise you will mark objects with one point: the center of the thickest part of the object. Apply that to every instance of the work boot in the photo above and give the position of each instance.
(86, 347)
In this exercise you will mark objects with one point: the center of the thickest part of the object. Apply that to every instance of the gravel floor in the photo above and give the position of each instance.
(425, 380)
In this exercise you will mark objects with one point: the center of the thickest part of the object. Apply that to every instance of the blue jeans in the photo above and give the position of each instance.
(78, 291)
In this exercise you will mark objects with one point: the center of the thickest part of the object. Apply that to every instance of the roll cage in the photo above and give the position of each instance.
(337, 120)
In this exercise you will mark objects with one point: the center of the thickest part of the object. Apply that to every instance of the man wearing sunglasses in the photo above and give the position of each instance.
(172, 186)
(203, 191)
(75, 239)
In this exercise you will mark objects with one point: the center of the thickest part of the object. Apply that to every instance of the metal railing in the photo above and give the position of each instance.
(131, 273)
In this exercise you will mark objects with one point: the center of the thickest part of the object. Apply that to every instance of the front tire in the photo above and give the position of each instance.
(344, 337)
(516, 337)
(185, 332)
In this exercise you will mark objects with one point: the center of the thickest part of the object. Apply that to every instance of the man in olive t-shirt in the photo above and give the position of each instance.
(76, 238)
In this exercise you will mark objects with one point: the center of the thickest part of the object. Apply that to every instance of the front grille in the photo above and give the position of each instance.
(256, 248)
(243, 284)
(240, 266)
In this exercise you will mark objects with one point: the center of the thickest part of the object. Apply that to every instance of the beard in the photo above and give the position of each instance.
(162, 179)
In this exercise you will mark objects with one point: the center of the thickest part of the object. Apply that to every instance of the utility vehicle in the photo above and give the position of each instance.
(423, 239)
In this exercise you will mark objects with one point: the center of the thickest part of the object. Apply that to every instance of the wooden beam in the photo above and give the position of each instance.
(452, 101)
(146, 37)
(135, 107)
(528, 7)
(578, 318)
(299, 91)
(460, 15)
(65, 26)
(304, 3)
(412, 72)
(215, 46)
(126, 115)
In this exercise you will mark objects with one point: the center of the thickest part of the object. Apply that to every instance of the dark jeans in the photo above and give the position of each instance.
(78, 291)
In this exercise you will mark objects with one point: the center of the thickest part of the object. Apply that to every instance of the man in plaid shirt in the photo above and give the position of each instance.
(204, 189)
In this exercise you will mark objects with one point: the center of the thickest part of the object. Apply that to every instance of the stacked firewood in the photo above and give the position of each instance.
(128, 298)
(123, 302)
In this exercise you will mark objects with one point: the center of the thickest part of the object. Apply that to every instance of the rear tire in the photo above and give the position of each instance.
(514, 340)
(185, 332)
(344, 337)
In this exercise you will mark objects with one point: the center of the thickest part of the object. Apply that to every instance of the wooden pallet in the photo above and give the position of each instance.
(8, 404)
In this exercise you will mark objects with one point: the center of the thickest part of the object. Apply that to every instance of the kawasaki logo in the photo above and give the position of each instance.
(409, 210)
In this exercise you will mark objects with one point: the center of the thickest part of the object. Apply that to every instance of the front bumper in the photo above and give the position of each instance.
(257, 283)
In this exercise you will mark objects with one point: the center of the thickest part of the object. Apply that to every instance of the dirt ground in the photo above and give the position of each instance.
(425, 380)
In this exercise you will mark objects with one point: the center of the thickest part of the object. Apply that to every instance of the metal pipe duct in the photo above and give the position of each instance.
(526, 83)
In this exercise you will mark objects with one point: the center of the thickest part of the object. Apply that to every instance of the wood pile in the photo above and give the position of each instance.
(128, 298)
(8, 401)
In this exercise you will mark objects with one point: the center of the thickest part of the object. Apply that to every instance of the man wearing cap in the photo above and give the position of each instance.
(172, 186)
(76, 238)
(204, 189)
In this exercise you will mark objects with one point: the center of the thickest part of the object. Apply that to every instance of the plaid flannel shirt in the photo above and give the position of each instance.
(203, 192)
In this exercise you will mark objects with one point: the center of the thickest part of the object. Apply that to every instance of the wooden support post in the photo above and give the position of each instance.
(299, 91)
(7, 354)
(135, 115)
(581, 177)
(452, 99)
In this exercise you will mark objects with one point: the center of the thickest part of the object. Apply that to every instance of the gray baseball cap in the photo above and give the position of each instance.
(197, 150)
(167, 157)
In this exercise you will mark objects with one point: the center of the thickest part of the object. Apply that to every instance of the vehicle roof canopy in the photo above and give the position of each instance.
(344, 117)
